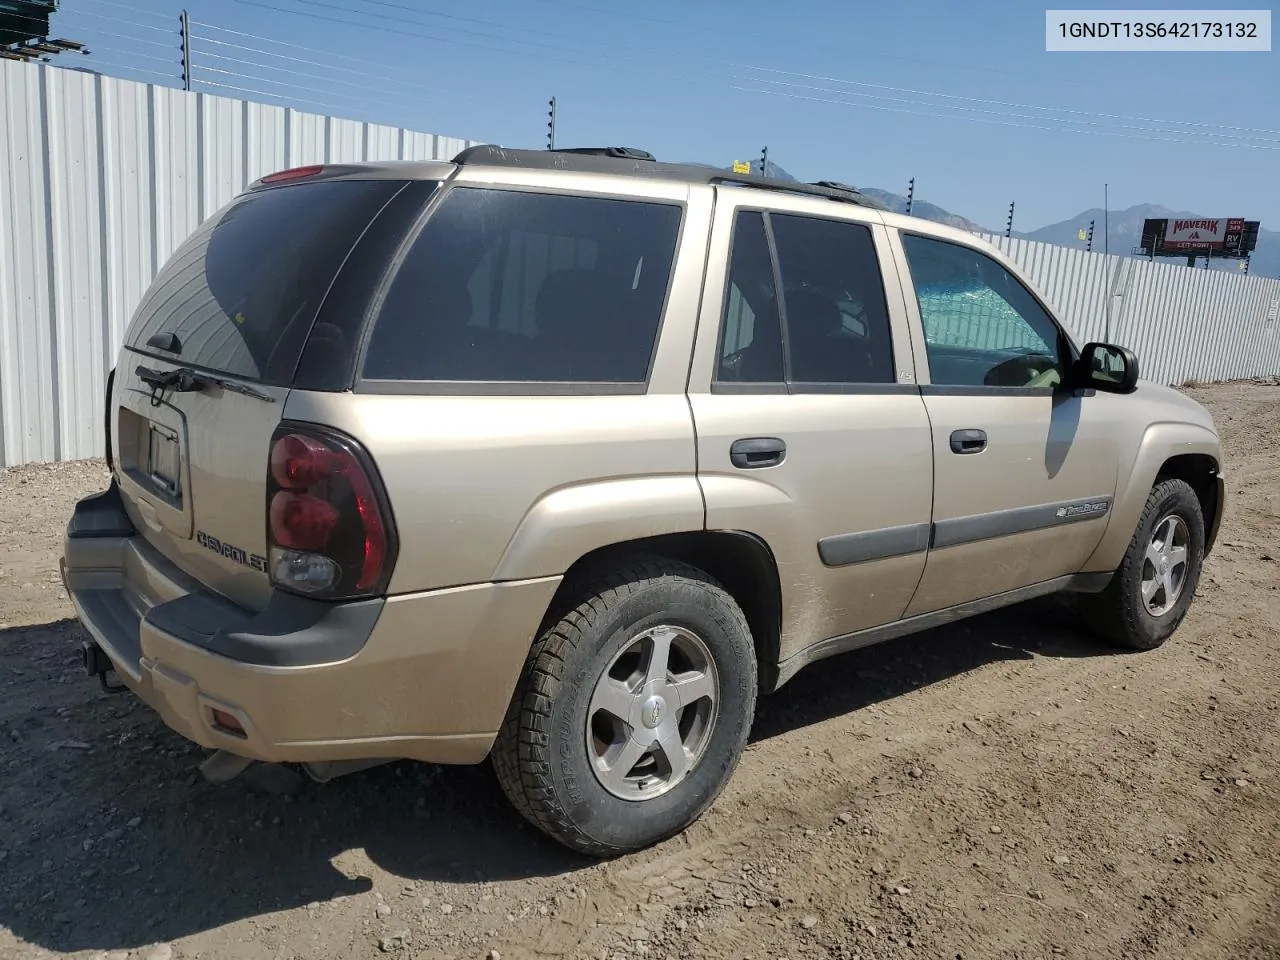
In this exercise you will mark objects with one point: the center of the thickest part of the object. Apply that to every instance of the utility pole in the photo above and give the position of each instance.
(1106, 220)
(1088, 247)
(184, 30)
(911, 192)
(1245, 265)
(1008, 228)
(551, 124)
(764, 162)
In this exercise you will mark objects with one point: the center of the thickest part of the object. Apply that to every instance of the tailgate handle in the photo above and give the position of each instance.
(752, 453)
(968, 441)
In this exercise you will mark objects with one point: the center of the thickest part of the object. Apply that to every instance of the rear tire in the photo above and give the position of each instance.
(665, 645)
(1148, 597)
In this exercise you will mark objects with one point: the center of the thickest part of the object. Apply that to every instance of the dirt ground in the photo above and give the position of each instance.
(1003, 788)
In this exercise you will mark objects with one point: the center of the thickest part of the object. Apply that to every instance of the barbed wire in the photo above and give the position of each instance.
(759, 79)
(303, 60)
(380, 91)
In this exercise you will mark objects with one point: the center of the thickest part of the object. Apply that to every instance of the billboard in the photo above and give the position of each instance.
(1186, 236)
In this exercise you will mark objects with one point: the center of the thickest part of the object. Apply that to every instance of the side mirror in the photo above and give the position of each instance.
(1106, 367)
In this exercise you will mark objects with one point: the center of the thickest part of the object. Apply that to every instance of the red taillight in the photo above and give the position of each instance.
(299, 462)
(328, 527)
(295, 173)
(300, 521)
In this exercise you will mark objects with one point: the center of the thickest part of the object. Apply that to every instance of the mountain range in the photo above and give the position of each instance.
(1124, 230)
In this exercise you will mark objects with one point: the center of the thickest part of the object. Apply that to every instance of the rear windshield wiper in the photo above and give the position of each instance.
(186, 380)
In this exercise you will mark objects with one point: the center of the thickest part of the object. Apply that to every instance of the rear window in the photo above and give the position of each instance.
(242, 292)
(505, 285)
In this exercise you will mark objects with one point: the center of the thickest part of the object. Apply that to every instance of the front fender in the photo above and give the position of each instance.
(570, 522)
(1160, 442)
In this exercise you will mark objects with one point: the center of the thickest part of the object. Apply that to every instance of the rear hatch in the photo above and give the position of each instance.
(208, 362)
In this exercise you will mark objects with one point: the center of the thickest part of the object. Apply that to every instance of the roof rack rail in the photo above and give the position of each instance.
(620, 153)
(834, 185)
(829, 189)
(629, 160)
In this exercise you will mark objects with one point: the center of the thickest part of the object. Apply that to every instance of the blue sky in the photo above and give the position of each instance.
(952, 93)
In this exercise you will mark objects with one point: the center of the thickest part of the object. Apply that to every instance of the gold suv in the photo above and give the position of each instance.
(564, 457)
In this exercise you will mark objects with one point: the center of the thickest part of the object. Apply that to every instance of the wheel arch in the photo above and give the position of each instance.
(1186, 449)
(741, 561)
(1203, 474)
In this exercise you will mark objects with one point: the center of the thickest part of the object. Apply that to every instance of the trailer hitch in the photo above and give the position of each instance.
(98, 664)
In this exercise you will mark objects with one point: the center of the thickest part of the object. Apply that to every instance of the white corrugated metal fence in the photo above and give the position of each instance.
(1183, 324)
(102, 178)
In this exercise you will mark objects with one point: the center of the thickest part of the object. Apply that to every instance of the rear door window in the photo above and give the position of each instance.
(514, 286)
(836, 318)
(243, 291)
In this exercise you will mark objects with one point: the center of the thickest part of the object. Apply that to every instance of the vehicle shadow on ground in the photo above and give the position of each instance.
(112, 842)
(861, 678)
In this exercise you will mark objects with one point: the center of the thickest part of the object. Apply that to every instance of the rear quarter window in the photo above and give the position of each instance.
(513, 286)
(241, 294)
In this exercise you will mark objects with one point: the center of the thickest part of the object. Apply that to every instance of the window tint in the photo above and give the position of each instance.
(750, 334)
(243, 291)
(982, 326)
(836, 318)
(504, 285)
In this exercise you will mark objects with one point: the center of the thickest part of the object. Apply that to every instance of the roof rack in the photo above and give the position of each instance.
(629, 160)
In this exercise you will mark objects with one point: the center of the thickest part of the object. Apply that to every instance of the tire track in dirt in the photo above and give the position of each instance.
(1000, 788)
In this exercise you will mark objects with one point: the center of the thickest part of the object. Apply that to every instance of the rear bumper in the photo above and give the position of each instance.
(424, 676)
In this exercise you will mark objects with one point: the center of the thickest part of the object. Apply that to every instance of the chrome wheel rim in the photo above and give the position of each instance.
(1164, 568)
(652, 712)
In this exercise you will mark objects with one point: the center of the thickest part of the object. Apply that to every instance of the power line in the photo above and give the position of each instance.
(274, 96)
(434, 26)
(1006, 103)
(775, 70)
(282, 56)
(284, 43)
(726, 29)
(98, 31)
(380, 91)
(916, 113)
(750, 67)
(117, 20)
(1145, 134)
(1025, 116)
(460, 19)
(125, 6)
(141, 70)
(131, 23)
(130, 53)
(122, 36)
(425, 36)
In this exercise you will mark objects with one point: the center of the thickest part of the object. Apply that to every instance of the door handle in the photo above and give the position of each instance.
(968, 441)
(752, 453)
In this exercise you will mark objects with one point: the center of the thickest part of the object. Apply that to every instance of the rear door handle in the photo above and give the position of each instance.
(751, 453)
(968, 441)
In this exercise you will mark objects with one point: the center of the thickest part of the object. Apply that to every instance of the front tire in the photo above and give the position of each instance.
(632, 712)
(1148, 597)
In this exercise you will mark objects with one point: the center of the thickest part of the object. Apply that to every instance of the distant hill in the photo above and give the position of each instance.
(923, 209)
(1125, 227)
(1125, 233)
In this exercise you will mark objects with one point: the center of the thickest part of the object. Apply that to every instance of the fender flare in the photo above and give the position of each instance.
(1160, 443)
(573, 521)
